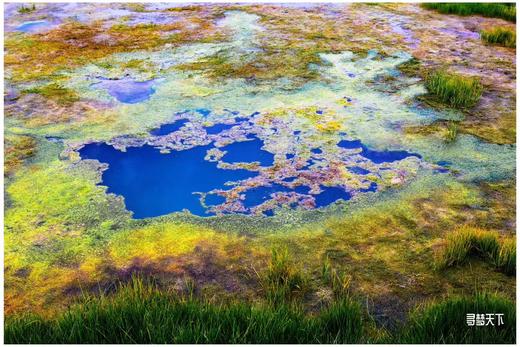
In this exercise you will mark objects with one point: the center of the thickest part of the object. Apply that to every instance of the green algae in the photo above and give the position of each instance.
(56, 92)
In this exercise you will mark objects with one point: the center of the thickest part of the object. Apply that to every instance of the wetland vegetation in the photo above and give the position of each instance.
(259, 173)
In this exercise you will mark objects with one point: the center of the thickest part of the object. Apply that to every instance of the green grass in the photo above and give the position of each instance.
(454, 90)
(505, 11)
(466, 242)
(282, 281)
(499, 36)
(22, 9)
(452, 129)
(338, 281)
(506, 257)
(445, 322)
(140, 313)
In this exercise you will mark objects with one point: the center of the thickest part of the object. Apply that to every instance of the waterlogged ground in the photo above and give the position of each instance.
(187, 142)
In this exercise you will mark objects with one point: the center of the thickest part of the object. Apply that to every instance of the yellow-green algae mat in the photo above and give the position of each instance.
(296, 90)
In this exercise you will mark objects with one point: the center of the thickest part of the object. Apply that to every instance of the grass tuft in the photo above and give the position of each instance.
(499, 36)
(22, 9)
(452, 129)
(506, 257)
(341, 323)
(455, 90)
(282, 281)
(445, 322)
(505, 11)
(468, 241)
(138, 312)
(337, 280)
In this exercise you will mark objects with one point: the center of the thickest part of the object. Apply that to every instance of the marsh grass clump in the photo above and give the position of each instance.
(452, 129)
(505, 11)
(282, 281)
(338, 281)
(506, 257)
(455, 90)
(467, 242)
(22, 9)
(499, 36)
(444, 322)
(342, 322)
(141, 313)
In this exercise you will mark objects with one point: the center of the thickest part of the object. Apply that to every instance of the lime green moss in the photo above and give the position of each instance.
(55, 91)
(54, 221)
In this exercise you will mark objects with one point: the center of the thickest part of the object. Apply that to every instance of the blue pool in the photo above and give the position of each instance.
(169, 128)
(128, 91)
(32, 26)
(154, 184)
(377, 157)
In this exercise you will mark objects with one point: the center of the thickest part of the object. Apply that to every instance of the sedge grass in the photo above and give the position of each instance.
(499, 36)
(506, 257)
(139, 313)
(282, 281)
(505, 11)
(468, 241)
(455, 90)
(445, 322)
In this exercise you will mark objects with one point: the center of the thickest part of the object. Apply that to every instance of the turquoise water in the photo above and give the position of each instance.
(32, 26)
